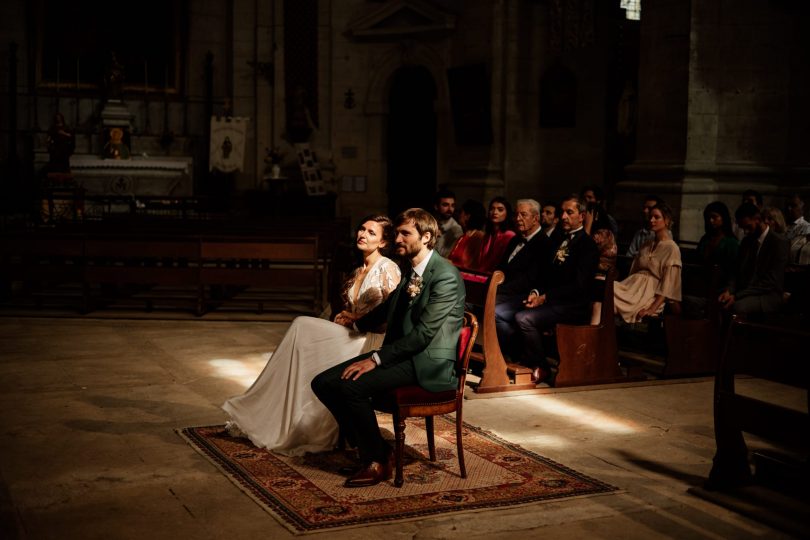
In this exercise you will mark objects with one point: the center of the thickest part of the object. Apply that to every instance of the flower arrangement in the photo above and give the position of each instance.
(562, 253)
(414, 286)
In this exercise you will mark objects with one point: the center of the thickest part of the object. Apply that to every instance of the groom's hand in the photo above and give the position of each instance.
(353, 371)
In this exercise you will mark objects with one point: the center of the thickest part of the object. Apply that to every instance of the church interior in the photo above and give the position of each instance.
(181, 179)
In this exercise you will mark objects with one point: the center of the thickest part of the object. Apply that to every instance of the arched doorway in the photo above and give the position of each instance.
(411, 139)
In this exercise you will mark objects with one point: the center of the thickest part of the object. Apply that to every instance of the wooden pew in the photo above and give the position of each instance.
(146, 260)
(776, 352)
(280, 264)
(498, 375)
(588, 353)
(693, 345)
(46, 263)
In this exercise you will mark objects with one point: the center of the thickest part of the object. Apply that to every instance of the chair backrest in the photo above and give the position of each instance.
(466, 340)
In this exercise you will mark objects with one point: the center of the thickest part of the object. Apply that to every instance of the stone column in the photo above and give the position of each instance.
(717, 97)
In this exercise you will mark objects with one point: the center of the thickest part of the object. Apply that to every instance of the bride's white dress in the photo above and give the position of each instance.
(279, 411)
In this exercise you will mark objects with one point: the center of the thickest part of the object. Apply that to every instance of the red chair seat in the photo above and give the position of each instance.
(410, 401)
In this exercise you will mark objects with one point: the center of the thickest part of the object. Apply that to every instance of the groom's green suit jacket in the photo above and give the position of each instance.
(424, 329)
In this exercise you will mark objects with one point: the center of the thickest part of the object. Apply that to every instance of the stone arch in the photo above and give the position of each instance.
(375, 106)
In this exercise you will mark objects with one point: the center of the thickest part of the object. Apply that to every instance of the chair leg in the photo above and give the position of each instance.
(430, 440)
(399, 431)
(460, 445)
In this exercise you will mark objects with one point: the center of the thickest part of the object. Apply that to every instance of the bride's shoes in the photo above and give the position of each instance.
(232, 429)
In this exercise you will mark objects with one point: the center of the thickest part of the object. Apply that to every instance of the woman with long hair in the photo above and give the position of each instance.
(498, 231)
(279, 411)
(718, 245)
(655, 275)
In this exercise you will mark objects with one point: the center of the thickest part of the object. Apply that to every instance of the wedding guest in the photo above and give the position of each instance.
(279, 411)
(550, 222)
(644, 234)
(775, 219)
(758, 283)
(798, 225)
(655, 275)
(596, 216)
(498, 233)
(748, 196)
(444, 206)
(608, 252)
(521, 264)
(467, 251)
(717, 247)
(559, 294)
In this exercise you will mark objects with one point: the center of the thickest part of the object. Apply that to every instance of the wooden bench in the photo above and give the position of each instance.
(186, 267)
(498, 375)
(693, 345)
(588, 353)
(150, 261)
(281, 264)
(41, 261)
(775, 352)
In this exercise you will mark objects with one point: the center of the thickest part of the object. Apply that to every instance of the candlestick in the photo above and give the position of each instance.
(77, 74)
(57, 74)
(145, 77)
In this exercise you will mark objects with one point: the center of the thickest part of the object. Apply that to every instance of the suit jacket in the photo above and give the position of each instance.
(523, 270)
(567, 275)
(424, 329)
(763, 273)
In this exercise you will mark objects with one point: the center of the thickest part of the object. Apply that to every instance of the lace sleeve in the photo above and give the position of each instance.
(377, 286)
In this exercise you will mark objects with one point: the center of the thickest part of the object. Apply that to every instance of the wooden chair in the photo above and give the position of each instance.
(413, 401)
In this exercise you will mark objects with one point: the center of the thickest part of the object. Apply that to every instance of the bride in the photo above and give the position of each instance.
(279, 411)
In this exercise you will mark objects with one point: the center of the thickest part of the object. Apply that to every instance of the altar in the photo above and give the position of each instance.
(139, 176)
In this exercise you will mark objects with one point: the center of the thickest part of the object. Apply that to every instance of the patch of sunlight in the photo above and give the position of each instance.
(546, 441)
(581, 415)
(243, 372)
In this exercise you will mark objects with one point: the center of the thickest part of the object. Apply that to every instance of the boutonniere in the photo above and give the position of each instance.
(414, 286)
(562, 253)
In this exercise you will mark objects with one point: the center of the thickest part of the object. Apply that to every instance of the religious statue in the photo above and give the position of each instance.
(299, 119)
(116, 148)
(114, 78)
(60, 143)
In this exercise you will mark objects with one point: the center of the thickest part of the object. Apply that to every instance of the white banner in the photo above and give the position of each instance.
(228, 144)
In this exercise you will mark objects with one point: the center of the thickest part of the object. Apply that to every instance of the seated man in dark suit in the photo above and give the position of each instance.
(757, 286)
(520, 266)
(562, 293)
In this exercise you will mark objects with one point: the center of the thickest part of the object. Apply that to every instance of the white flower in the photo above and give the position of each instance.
(414, 286)
(562, 252)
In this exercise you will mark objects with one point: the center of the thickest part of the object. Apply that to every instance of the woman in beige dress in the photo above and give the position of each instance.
(655, 275)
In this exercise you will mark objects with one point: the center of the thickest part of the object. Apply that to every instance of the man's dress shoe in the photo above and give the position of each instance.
(374, 473)
(371, 475)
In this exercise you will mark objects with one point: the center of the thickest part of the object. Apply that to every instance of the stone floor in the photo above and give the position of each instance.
(88, 447)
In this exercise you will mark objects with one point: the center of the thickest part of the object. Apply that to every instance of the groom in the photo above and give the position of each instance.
(424, 315)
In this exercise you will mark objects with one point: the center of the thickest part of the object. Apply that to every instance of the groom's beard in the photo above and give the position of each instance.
(408, 252)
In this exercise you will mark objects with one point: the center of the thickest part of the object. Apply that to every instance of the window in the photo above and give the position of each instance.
(632, 9)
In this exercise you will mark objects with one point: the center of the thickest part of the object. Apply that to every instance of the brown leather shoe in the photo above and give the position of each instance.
(371, 475)
(374, 473)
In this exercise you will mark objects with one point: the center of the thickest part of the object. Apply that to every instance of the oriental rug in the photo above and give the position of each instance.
(306, 494)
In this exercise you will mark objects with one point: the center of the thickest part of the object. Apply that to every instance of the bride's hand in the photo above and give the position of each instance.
(344, 318)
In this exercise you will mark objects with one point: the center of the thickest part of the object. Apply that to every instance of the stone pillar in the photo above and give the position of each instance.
(717, 98)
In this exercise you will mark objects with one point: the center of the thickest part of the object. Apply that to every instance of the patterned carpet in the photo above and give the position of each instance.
(306, 494)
